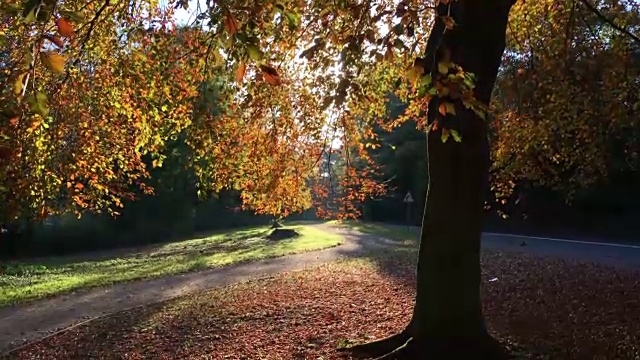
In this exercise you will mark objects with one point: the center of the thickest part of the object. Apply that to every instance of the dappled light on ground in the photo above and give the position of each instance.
(549, 308)
(406, 234)
(26, 281)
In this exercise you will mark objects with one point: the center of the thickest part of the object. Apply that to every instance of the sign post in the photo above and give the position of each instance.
(408, 199)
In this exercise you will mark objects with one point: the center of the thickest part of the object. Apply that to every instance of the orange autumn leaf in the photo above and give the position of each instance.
(442, 109)
(270, 75)
(65, 28)
(242, 68)
(230, 24)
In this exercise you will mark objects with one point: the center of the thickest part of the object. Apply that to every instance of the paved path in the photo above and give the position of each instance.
(602, 252)
(23, 323)
(622, 255)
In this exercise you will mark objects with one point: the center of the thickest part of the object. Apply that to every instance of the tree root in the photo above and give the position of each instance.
(380, 347)
(403, 347)
(406, 351)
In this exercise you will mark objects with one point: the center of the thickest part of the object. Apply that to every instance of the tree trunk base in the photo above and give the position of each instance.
(402, 346)
(378, 348)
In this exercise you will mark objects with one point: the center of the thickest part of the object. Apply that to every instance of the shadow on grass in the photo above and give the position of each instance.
(298, 311)
(389, 231)
(393, 250)
(29, 280)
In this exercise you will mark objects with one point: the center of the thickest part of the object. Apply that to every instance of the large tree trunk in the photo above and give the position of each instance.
(448, 312)
(447, 320)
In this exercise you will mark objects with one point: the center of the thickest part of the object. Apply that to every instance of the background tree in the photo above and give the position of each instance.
(402, 162)
(565, 106)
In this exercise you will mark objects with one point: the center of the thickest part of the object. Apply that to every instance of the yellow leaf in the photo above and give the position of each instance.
(242, 68)
(443, 68)
(450, 108)
(53, 61)
(18, 86)
(456, 135)
(445, 135)
(254, 52)
(415, 73)
(64, 28)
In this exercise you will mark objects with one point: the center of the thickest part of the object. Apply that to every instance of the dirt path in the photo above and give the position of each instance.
(27, 322)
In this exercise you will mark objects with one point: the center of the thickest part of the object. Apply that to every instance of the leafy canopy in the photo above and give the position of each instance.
(567, 97)
(264, 93)
(262, 89)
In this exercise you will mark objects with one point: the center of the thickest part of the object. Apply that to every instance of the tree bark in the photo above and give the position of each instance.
(447, 320)
(448, 311)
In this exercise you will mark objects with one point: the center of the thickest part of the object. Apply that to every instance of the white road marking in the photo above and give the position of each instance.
(567, 241)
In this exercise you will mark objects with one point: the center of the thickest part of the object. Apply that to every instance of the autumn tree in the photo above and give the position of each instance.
(292, 77)
(77, 123)
(565, 113)
(402, 162)
(279, 110)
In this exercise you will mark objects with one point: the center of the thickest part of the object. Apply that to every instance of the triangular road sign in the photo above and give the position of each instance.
(408, 198)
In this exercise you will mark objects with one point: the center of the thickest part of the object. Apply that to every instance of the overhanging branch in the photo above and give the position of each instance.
(624, 31)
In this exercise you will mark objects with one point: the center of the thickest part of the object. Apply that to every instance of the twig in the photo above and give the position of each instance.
(33, 56)
(594, 10)
(87, 36)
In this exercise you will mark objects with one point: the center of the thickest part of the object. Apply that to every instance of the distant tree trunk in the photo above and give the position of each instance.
(447, 320)
(276, 223)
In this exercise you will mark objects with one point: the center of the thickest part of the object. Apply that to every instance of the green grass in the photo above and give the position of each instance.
(27, 281)
(389, 231)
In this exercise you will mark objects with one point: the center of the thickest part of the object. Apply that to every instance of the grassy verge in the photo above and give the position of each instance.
(26, 281)
(389, 231)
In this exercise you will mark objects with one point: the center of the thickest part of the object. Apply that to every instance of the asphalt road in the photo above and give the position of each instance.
(623, 255)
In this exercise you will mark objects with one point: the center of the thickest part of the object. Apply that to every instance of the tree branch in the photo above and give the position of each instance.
(594, 10)
(87, 36)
